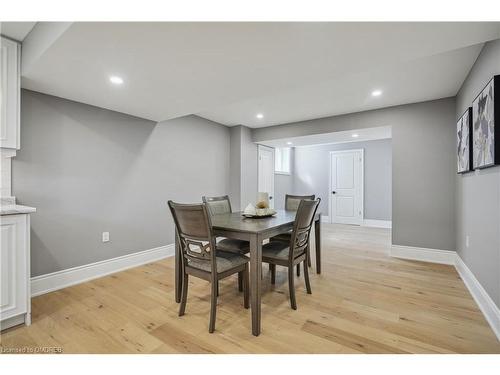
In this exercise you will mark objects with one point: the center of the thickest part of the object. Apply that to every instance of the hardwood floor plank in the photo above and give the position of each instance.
(345, 338)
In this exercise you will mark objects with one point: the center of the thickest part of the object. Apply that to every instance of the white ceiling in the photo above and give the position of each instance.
(16, 30)
(433, 77)
(366, 134)
(228, 72)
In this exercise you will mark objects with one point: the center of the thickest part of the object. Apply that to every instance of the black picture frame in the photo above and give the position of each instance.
(486, 126)
(464, 142)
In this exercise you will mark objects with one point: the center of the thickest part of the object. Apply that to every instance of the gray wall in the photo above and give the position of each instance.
(312, 170)
(243, 168)
(235, 168)
(423, 165)
(249, 168)
(478, 192)
(89, 170)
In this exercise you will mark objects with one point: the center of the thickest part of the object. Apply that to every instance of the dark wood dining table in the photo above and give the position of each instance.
(254, 230)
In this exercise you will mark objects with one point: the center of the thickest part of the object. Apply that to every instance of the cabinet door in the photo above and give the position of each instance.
(9, 93)
(13, 266)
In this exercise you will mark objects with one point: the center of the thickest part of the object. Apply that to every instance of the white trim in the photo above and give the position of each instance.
(72, 276)
(377, 223)
(362, 208)
(325, 219)
(423, 254)
(489, 309)
(27, 319)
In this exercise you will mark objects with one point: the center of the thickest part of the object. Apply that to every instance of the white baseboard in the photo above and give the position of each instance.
(377, 223)
(12, 322)
(325, 219)
(489, 309)
(423, 254)
(72, 276)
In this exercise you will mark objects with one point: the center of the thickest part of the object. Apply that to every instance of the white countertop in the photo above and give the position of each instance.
(15, 209)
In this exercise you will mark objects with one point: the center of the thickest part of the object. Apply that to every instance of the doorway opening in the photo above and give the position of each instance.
(351, 171)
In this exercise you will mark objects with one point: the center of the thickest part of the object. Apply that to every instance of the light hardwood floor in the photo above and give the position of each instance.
(364, 302)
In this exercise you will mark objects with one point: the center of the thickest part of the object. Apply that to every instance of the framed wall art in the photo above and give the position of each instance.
(486, 127)
(464, 137)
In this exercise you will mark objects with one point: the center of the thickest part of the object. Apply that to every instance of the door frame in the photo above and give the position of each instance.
(267, 148)
(330, 200)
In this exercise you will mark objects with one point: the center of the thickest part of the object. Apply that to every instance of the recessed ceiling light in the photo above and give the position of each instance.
(116, 80)
(355, 135)
(376, 93)
(289, 143)
(260, 116)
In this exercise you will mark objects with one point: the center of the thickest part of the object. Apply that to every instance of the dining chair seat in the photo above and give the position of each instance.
(275, 250)
(233, 246)
(224, 261)
(286, 238)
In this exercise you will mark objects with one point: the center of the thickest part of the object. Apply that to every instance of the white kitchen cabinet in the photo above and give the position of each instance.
(10, 89)
(15, 291)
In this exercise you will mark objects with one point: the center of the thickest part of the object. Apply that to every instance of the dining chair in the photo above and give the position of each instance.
(291, 254)
(222, 205)
(200, 256)
(292, 204)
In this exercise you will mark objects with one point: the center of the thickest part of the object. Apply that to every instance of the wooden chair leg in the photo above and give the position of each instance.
(309, 256)
(240, 281)
(272, 268)
(246, 288)
(213, 306)
(298, 270)
(291, 287)
(182, 308)
(217, 287)
(306, 278)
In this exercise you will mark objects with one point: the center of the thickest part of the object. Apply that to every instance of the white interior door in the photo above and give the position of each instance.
(266, 172)
(346, 187)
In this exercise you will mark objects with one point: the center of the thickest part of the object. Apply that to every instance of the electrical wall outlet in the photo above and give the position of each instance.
(467, 241)
(105, 236)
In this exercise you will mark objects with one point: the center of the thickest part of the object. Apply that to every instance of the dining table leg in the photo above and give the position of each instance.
(255, 281)
(317, 240)
(178, 269)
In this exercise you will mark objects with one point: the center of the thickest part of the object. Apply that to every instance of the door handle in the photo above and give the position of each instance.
(270, 198)
(334, 192)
